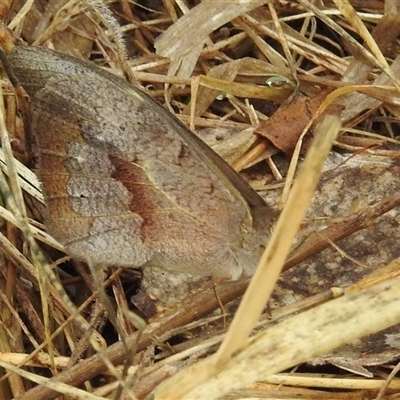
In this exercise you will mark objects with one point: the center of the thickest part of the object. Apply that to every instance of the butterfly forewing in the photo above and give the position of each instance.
(126, 183)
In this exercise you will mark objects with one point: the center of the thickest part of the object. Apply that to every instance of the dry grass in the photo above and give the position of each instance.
(346, 49)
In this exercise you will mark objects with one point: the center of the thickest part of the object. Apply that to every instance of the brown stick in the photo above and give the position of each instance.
(318, 241)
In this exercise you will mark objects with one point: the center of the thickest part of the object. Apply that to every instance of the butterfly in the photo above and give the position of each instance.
(126, 183)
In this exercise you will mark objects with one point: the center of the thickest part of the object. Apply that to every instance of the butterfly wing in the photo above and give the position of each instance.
(126, 183)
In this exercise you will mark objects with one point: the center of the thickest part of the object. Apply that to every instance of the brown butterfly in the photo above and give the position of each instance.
(126, 183)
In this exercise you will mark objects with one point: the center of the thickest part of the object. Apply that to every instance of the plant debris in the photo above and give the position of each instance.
(210, 64)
